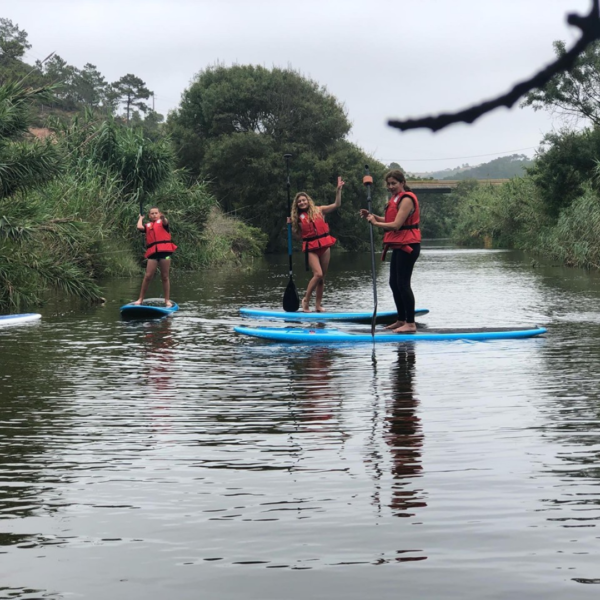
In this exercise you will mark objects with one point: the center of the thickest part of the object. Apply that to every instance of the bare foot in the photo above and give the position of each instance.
(406, 328)
(137, 302)
(320, 309)
(305, 306)
(395, 325)
(168, 303)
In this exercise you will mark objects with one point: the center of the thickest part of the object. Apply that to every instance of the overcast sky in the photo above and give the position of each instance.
(381, 58)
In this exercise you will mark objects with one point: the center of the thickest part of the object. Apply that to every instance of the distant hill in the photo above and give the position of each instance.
(499, 168)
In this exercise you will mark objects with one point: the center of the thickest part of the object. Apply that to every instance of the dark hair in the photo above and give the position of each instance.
(398, 176)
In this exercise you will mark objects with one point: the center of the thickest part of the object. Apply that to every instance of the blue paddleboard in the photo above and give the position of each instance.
(153, 308)
(357, 317)
(331, 336)
(18, 319)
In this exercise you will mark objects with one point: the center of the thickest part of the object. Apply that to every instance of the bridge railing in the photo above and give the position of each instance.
(440, 186)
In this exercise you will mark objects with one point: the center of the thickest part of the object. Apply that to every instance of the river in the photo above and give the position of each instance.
(175, 459)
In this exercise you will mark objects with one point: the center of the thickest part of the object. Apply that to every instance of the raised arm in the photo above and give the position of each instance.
(140, 224)
(338, 198)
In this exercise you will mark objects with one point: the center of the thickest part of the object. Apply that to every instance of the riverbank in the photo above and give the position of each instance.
(554, 210)
(69, 204)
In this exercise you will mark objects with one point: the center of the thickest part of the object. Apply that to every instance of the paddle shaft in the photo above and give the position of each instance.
(291, 302)
(368, 182)
(289, 207)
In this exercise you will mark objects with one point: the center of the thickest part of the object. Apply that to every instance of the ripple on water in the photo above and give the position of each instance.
(143, 459)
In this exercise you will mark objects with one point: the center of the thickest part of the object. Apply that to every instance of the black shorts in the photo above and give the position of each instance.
(160, 256)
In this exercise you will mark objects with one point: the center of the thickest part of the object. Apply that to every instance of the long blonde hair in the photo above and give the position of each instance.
(312, 211)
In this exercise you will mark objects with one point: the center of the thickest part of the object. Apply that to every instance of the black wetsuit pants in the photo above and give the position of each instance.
(401, 269)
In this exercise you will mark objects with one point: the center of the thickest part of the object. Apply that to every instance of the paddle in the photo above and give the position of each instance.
(291, 302)
(368, 181)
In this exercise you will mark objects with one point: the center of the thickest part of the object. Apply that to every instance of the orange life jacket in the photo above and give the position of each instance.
(158, 239)
(315, 234)
(409, 232)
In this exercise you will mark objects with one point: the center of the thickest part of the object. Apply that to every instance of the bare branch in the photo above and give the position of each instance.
(590, 32)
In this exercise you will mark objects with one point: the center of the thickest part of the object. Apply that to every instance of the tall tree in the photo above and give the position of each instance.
(13, 41)
(90, 86)
(62, 76)
(235, 124)
(131, 91)
(573, 94)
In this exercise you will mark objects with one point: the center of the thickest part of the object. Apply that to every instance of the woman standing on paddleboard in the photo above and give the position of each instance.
(308, 221)
(159, 248)
(403, 237)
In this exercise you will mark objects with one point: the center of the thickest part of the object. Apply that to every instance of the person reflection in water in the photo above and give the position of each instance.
(319, 399)
(159, 344)
(404, 436)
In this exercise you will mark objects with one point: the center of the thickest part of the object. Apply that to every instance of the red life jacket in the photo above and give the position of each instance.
(315, 234)
(409, 232)
(158, 239)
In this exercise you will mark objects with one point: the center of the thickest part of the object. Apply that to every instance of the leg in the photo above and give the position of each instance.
(315, 264)
(395, 287)
(165, 265)
(148, 277)
(324, 261)
(404, 271)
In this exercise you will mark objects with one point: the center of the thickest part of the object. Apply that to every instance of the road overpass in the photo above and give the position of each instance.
(441, 186)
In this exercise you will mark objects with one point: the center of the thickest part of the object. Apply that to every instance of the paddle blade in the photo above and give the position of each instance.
(291, 302)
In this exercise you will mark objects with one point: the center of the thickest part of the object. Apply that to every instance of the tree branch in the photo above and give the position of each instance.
(590, 32)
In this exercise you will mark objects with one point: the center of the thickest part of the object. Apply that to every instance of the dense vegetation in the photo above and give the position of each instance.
(67, 232)
(555, 208)
(69, 202)
(235, 124)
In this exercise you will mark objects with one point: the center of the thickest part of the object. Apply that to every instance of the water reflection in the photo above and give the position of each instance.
(316, 396)
(403, 434)
(158, 353)
(399, 426)
(137, 460)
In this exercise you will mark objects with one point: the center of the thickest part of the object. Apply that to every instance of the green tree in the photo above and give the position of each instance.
(564, 166)
(90, 86)
(575, 93)
(235, 124)
(13, 41)
(62, 76)
(395, 166)
(131, 91)
(23, 163)
(35, 250)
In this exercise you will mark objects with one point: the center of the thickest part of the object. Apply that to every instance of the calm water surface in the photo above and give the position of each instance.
(174, 459)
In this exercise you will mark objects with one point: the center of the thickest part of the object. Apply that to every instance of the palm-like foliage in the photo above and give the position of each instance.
(23, 164)
(63, 233)
(140, 164)
(35, 250)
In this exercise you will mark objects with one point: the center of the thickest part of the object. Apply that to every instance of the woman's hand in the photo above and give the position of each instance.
(288, 220)
(363, 212)
(371, 218)
(340, 183)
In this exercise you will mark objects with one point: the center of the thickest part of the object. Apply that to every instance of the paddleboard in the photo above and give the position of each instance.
(153, 308)
(18, 319)
(329, 336)
(356, 317)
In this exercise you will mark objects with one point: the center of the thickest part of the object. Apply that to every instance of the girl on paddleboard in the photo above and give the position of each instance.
(403, 237)
(159, 248)
(308, 222)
